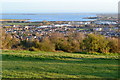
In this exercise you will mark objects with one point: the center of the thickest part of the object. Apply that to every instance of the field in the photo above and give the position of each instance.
(22, 24)
(26, 64)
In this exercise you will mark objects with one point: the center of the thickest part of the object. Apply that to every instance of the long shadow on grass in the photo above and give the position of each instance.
(59, 59)
(64, 59)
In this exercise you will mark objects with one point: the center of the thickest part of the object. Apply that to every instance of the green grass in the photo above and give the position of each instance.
(26, 64)
(20, 24)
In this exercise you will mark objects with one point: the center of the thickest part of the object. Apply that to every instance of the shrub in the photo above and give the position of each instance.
(8, 41)
(26, 44)
(114, 46)
(33, 49)
(96, 43)
(46, 45)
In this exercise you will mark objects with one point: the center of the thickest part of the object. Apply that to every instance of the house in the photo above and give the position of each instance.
(104, 22)
(42, 27)
(97, 29)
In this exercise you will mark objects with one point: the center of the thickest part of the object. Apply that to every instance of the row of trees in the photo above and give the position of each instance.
(76, 42)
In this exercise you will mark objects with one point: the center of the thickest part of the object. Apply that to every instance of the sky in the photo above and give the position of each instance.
(59, 6)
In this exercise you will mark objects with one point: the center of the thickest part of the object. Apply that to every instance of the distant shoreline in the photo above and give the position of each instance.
(57, 13)
(49, 17)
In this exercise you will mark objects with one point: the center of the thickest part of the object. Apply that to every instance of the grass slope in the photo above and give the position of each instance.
(26, 64)
(20, 24)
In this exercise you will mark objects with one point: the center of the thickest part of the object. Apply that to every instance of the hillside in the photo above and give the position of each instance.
(26, 64)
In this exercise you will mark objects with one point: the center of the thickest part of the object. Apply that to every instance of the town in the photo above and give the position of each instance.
(27, 30)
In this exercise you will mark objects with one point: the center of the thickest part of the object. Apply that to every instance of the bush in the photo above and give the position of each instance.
(96, 43)
(33, 49)
(9, 41)
(26, 44)
(46, 45)
(114, 46)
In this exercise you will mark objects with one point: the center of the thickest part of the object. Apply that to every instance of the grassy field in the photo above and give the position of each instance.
(20, 24)
(26, 64)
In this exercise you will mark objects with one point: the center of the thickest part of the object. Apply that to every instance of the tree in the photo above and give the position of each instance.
(114, 46)
(8, 41)
(91, 43)
(46, 45)
(96, 43)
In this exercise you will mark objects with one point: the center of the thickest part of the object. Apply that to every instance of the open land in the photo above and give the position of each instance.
(26, 64)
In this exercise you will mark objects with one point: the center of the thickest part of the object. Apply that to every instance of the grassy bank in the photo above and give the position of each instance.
(20, 24)
(26, 64)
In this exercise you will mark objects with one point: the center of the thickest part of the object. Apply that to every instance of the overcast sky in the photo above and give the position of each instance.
(59, 6)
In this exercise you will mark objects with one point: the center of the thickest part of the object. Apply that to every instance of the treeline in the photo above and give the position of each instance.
(74, 42)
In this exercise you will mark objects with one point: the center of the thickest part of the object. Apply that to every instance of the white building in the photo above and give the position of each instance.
(97, 29)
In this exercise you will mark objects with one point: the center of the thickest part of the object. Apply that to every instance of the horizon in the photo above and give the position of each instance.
(64, 13)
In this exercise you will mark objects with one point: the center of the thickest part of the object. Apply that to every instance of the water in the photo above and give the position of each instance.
(49, 17)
